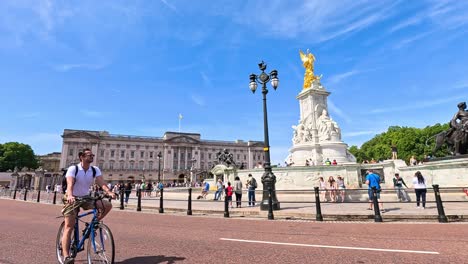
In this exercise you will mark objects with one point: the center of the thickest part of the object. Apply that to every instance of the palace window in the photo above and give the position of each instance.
(112, 153)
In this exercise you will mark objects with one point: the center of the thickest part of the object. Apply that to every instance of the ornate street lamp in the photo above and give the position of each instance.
(268, 178)
(159, 166)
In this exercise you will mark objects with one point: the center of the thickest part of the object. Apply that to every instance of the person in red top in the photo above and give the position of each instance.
(229, 193)
(334, 162)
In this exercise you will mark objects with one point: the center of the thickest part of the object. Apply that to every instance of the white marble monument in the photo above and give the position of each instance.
(317, 137)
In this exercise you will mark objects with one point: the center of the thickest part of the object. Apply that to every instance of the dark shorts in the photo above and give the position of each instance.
(370, 193)
(229, 198)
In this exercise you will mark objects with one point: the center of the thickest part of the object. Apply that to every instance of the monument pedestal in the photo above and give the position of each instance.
(317, 137)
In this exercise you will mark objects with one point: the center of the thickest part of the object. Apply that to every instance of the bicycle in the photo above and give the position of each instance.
(100, 246)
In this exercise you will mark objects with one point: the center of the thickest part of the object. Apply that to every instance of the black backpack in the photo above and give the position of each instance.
(64, 177)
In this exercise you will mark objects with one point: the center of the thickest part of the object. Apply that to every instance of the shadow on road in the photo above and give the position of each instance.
(152, 260)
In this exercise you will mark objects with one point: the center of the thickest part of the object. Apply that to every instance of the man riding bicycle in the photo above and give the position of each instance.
(78, 185)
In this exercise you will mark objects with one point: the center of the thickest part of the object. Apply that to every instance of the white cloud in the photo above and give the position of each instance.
(417, 105)
(335, 109)
(411, 39)
(315, 21)
(339, 77)
(206, 79)
(68, 67)
(171, 6)
(359, 133)
(94, 114)
(198, 100)
(30, 115)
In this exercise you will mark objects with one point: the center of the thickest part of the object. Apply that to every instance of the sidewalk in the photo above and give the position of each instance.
(348, 211)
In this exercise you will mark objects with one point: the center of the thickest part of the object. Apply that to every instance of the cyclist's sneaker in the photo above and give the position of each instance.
(69, 260)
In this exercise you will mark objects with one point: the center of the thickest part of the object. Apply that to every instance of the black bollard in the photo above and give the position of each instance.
(318, 216)
(25, 193)
(378, 216)
(121, 199)
(55, 198)
(270, 205)
(161, 207)
(38, 196)
(189, 209)
(14, 195)
(139, 200)
(226, 204)
(440, 208)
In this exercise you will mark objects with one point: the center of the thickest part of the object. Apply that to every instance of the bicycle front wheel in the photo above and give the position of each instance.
(101, 249)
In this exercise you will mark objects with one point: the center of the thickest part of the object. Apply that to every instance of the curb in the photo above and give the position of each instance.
(304, 216)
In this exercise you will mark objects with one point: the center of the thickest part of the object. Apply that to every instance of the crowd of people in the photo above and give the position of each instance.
(334, 189)
(236, 189)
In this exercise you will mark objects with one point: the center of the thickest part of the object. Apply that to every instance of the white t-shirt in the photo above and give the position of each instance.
(417, 185)
(83, 179)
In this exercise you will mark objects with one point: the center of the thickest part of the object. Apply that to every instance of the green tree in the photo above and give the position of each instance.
(14, 154)
(408, 140)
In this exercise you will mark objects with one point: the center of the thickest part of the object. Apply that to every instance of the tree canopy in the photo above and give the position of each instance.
(409, 141)
(14, 154)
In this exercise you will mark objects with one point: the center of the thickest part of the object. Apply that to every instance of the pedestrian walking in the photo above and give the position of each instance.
(238, 191)
(419, 185)
(219, 190)
(398, 183)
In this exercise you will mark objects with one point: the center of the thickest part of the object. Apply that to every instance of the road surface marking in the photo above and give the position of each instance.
(335, 247)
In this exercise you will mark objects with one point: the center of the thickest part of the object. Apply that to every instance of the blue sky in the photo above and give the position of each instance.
(130, 67)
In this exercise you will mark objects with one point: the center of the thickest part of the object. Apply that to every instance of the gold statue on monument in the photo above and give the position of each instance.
(308, 63)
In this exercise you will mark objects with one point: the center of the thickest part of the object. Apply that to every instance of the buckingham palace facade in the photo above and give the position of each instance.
(175, 156)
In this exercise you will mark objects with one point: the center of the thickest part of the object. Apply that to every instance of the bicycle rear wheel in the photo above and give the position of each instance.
(101, 249)
(58, 243)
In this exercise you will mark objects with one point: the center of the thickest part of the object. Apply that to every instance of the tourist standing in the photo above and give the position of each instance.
(419, 185)
(394, 152)
(341, 187)
(127, 189)
(238, 191)
(251, 185)
(323, 189)
(229, 193)
(398, 183)
(413, 161)
(373, 180)
(332, 188)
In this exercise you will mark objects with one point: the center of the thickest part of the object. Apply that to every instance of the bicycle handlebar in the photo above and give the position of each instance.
(97, 196)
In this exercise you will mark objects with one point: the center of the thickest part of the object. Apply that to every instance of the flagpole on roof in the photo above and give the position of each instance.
(180, 118)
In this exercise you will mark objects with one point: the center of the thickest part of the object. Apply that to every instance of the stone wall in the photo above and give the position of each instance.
(446, 173)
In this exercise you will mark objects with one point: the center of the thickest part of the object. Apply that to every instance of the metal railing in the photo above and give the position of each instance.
(305, 200)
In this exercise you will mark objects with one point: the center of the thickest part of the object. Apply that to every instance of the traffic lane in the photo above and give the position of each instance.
(154, 238)
(201, 236)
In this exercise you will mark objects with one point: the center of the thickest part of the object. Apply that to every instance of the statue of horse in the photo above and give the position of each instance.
(456, 141)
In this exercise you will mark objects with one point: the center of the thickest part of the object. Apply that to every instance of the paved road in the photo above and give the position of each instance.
(29, 231)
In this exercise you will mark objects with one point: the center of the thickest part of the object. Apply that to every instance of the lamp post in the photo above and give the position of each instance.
(159, 166)
(268, 178)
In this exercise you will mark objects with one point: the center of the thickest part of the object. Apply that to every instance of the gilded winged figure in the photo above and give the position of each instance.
(308, 63)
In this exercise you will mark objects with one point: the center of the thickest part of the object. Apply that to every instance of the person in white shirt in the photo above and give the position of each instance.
(419, 185)
(78, 185)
